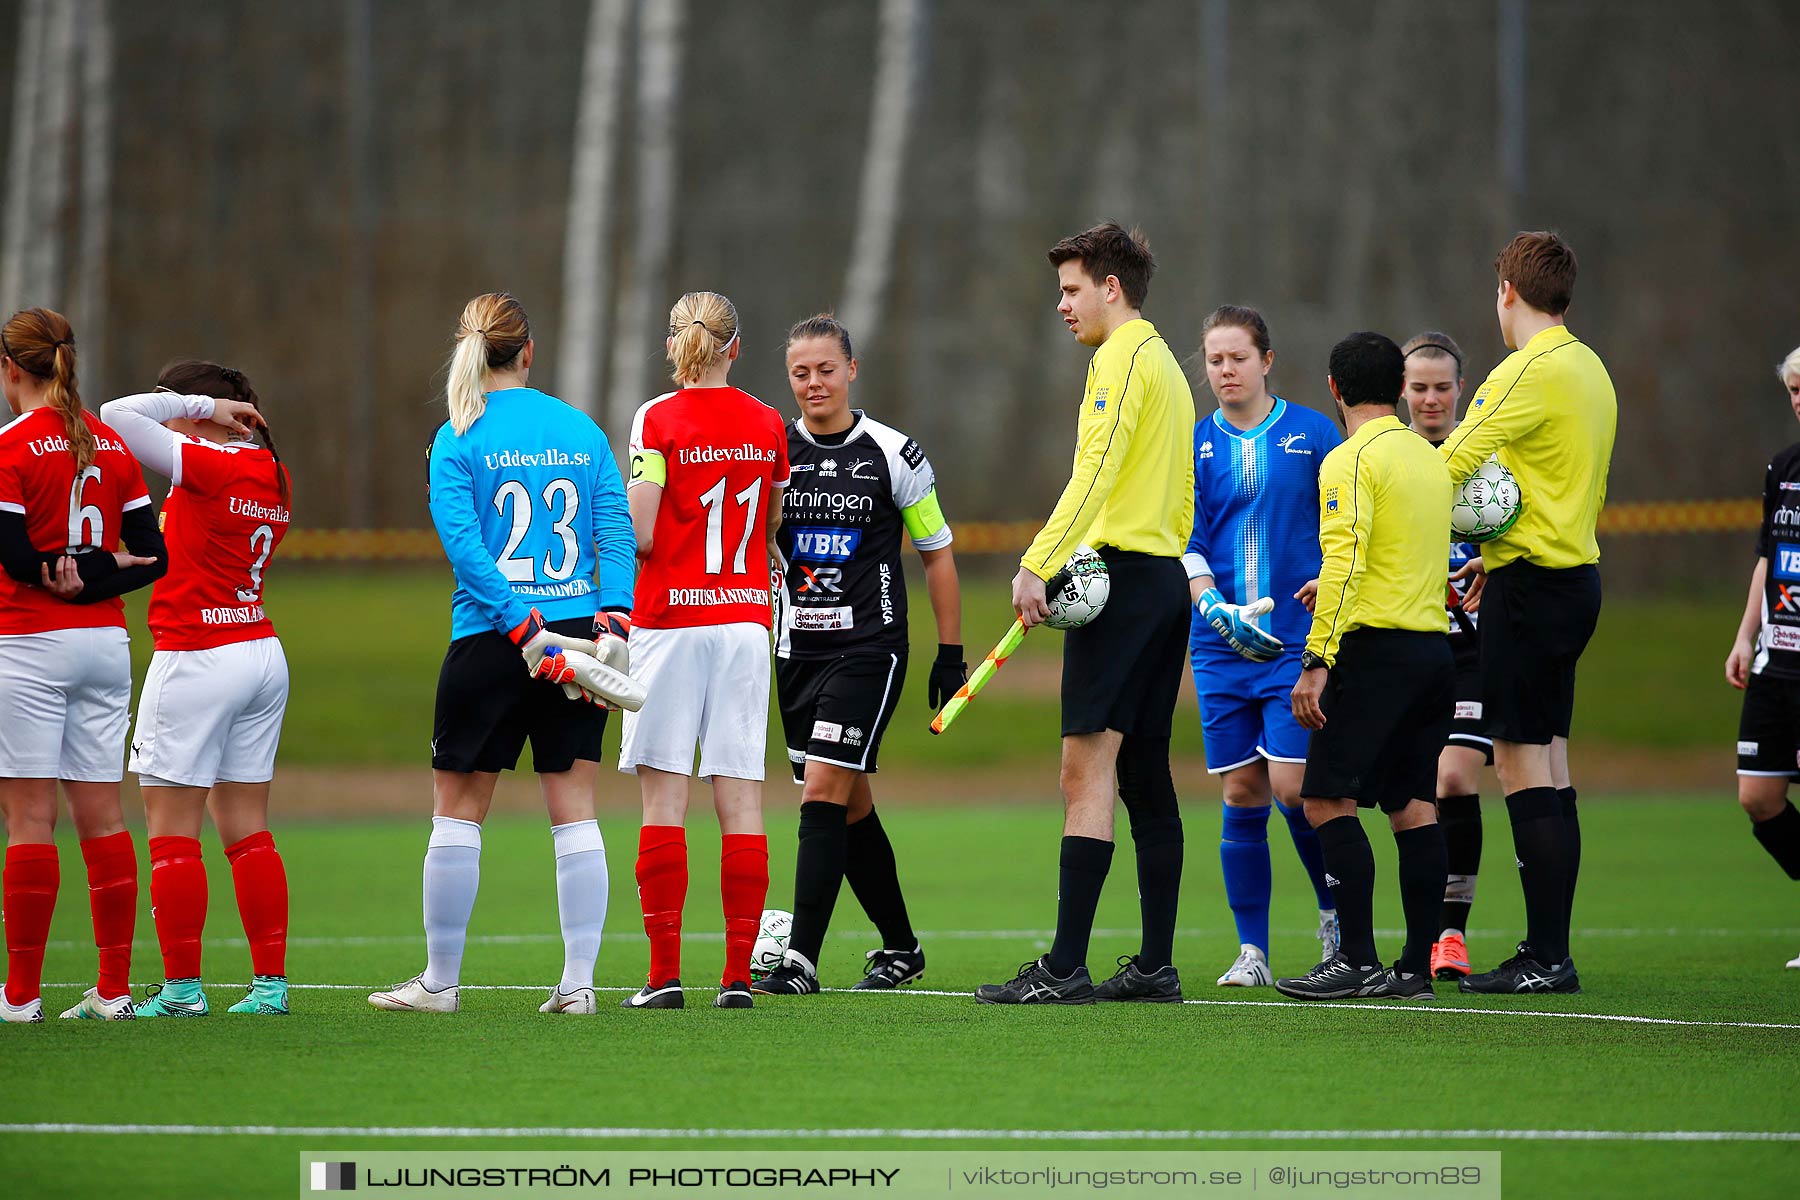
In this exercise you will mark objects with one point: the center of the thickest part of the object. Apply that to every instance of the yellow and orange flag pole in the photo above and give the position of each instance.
(993, 662)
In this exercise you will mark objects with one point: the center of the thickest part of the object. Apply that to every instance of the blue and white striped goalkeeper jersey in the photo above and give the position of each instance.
(1256, 516)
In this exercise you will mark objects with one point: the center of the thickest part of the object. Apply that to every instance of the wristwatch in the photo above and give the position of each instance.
(1311, 662)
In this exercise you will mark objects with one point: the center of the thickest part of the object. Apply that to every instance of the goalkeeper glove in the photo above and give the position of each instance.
(948, 674)
(1236, 624)
(543, 649)
(598, 683)
(612, 632)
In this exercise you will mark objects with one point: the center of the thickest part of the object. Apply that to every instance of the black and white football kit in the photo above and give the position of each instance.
(1769, 728)
(841, 640)
(1469, 727)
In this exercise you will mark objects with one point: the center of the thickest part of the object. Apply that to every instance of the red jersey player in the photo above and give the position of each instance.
(69, 493)
(209, 719)
(708, 465)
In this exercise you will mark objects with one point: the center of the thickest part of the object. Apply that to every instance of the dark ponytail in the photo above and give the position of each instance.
(194, 377)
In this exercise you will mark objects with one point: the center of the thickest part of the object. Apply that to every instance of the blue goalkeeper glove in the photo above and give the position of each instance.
(1236, 624)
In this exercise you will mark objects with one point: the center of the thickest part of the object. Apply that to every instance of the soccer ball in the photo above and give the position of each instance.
(1486, 505)
(1085, 587)
(771, 942)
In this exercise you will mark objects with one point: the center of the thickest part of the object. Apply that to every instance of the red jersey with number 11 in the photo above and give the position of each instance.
(719, 454)
(37, 479)
(222, 521)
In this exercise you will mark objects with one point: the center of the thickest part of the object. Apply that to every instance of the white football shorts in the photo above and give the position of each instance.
(706, 685)
(207, 715)
(65, 700)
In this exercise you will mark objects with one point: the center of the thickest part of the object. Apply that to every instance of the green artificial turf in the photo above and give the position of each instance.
(1681, 916)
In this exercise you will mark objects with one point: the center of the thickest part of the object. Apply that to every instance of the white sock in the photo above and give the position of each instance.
(452, 875)
(581, 883)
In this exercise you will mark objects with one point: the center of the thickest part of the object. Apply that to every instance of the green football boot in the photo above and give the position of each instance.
(176, 998)
(267, 997)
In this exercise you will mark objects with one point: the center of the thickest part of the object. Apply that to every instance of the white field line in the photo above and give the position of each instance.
(1403, 1007)
(966, 935)
(921, 1135)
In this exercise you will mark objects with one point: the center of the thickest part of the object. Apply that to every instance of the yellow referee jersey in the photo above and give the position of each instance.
(1386, 565)
(1133, 483)
(1548, 412)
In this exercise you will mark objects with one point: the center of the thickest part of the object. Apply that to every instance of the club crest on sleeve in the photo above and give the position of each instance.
(1331, 499)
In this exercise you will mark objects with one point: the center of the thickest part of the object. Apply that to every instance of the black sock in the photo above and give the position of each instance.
(1085, 862)
(1543, 853)
(818, 870)
(1422, 870)
(1780, 836)
(1159, 852)
(874, 877)
(1460, 819)
(1571, 839)
(1350, 872)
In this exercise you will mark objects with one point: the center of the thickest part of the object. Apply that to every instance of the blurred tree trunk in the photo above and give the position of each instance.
(96, 192)
(359, 135)
(585, 243)
(660, 30)
(27, 87)
(878, 210)
(49, 162)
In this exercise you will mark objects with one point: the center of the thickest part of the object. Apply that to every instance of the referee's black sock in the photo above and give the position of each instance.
(1159, 854)
(818, 870)
(1571, 839)
(1350, 872)
(1542, 849)
(1423, 868)
(1085, 862)
(1780, 836)
(1460, 819)
(875, 878)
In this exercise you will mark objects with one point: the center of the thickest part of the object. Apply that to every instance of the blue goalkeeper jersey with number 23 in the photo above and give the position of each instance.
(527, 502)
(1256, 517)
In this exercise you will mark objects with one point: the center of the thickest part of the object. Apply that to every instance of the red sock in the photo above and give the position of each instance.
(30, 897)
(112, 894)
(743, 886)
(262, 898)
(178, 903)
(662, 876)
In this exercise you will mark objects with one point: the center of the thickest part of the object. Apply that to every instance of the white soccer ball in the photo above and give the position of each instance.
(771, 942)
(1486, 505)
(1083, 593)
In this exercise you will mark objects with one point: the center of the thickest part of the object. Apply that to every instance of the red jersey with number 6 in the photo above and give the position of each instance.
(37, 479)
(719, 455)
(222, 521)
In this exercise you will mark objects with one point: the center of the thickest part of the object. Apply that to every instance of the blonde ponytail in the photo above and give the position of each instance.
(490, 334)
(702, 326)
(42, 344)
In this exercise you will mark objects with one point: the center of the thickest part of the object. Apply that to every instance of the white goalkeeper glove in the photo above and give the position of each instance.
(1236, 624)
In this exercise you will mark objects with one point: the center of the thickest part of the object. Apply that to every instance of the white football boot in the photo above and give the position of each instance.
(1330, 940)
(1794, 963)
(414, 996)
(29, 1013)
(1250, 970)
(92, 1008)
(579, 1001)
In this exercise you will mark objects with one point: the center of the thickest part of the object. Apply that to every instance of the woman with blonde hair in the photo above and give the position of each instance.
(528, 503)
(70, 492)
(708, 465)
(1764, 662)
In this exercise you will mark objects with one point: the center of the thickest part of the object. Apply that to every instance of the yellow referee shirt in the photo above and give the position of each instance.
(1548, 412)
(1133, 483)
(1386, 562)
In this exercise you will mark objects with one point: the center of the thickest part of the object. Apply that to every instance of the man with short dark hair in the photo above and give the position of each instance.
(1378, 681)
(1130, 496)
(1548, 413)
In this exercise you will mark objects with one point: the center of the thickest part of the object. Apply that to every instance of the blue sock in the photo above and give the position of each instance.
(1306, 841)
(1244, 857)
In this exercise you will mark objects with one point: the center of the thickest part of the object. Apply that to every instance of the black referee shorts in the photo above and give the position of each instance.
(1387, 703)
(1535, 622)
(1123, 669)
(836, 709)
(488, 706)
